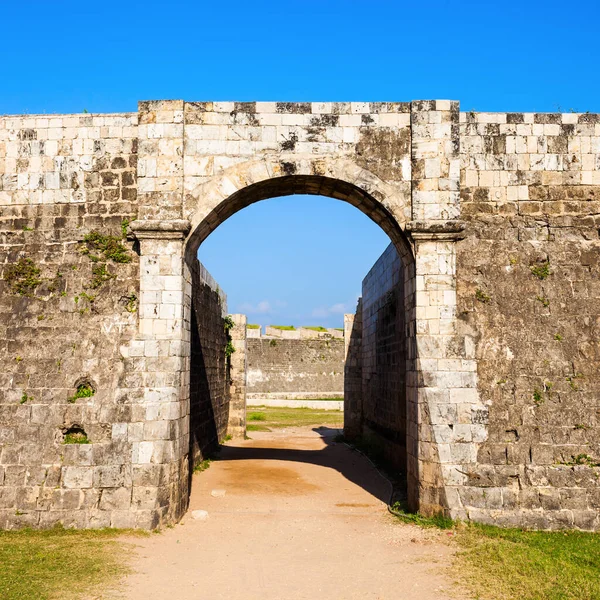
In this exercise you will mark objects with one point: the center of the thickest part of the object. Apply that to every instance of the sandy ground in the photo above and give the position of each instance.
(301, 517)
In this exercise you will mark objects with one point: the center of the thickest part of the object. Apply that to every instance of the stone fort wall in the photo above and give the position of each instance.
(295, 368)
(70, 304)
(65, 317)
(528, 292)
(210, 372)
(500, 327)
(527, 299)
(383, 359)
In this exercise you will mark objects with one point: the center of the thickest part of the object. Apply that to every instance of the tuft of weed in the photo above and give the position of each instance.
(439, 520)
(541, 270)
(202, 466)
(84, 390)
(110, 246)
(76, 438)
(23, 277)
(100, 274)
(482, 296)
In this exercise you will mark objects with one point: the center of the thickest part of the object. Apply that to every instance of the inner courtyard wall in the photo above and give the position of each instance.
(296, 368)
(210, 377)
(384, 358)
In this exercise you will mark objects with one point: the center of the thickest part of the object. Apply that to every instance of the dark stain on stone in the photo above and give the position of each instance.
(324, 121)
(317, 127)
(588, 118)
(27, 134)
(568, 129)
(244, 113)
(367, 120)
(118, 163)
(199, 106)
(423, 105)
(293, 107)
(289, 145)
(514, 118)
(548, 118)
(244, 107)
(289, 168)
(381, 150)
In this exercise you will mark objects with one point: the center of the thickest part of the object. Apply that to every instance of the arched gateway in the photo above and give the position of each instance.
(224, 157)
(490, 214)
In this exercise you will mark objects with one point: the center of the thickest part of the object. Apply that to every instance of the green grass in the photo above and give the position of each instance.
(284, 327)
(76, 437)
(202, 465)
(255, 427)
(257, 416)
(85, 390)
(276, 418)
(59, 563)
(438, 521)
(313, 328)
(252, 326)
(503, 564)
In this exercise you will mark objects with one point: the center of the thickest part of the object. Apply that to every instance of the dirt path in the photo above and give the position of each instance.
(301, 518)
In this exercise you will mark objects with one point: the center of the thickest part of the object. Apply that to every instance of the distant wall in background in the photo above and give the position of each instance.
(295, 368)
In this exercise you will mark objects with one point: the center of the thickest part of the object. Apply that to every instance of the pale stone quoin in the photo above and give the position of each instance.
(472, 357)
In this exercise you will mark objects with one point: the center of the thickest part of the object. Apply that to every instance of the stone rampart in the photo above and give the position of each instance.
(300, 368)
(383, 359)
(495, 220)
(210, 377)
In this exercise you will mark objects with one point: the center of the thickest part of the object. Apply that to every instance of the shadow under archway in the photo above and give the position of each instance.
(353, 466)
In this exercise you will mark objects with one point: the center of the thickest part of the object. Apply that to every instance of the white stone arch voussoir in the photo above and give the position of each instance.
(215, 200)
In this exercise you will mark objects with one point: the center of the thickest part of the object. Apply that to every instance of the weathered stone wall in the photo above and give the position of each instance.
(65, 316)
(384, 357)
(237, 384)
(528, 294)
(209, 368)
(353, 415)
(302, 333)
(301, 368)
(500, 328)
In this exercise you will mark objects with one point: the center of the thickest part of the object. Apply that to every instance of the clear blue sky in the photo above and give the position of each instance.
(68, 56)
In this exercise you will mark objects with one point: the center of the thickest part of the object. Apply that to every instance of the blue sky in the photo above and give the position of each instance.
(69, 56)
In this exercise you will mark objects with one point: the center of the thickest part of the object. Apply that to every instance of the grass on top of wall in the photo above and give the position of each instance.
(314, 327)
(252, 326)
(265, 419)
(60, 563)
(284, 327)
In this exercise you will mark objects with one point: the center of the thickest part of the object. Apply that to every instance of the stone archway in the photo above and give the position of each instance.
(199, 164)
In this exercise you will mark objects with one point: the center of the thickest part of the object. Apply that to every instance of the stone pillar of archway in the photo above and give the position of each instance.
(446, 419)
(160, 469)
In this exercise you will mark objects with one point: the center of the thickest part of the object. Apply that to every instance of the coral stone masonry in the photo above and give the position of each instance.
(473, 358)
